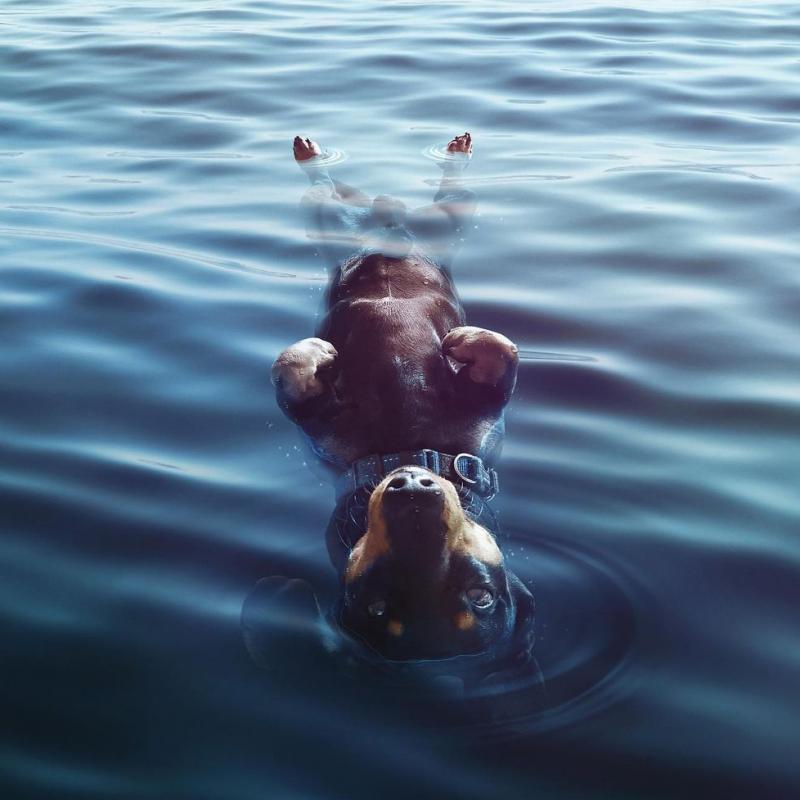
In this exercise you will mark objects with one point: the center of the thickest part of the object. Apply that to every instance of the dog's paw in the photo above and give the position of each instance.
(297, 369)
(460, 144)
(305, 149)
(486, 354)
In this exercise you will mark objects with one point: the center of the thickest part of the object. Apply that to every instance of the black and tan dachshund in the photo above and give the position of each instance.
(404, 402)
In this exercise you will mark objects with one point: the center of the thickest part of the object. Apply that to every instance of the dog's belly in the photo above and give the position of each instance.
(395, 386)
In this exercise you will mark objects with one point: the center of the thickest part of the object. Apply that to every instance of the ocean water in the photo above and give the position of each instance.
(638, 174)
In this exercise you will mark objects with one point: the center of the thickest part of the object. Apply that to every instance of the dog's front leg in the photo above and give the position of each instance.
(490, 359)
(302, 373)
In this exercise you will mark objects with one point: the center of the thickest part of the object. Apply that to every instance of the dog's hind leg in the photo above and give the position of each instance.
(351, 195)
(333, 210)
(442, 226)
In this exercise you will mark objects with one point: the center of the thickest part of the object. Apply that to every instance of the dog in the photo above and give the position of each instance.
(403, 401)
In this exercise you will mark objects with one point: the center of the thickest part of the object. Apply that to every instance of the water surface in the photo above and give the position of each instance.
(637, 168)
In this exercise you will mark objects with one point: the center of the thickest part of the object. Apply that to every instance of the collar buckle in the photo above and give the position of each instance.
(473, 465)
(465, 468)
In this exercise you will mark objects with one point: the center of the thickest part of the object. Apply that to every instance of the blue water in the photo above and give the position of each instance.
(638, 176)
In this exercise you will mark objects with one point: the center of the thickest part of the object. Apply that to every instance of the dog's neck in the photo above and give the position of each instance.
(464, 470)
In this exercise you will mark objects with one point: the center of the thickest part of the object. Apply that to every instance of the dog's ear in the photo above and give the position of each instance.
(524, 633)
(282, 627)
(516, 669)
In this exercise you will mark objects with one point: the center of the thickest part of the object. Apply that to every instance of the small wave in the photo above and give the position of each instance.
(541, 355)
(680, 167)
(159, 155)
(329, 157)
(439, 152)
(501, 179)
(125, 244)
(190, 115)
(63, 210)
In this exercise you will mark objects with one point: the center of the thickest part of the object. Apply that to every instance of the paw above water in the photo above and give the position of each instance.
(305, 148)
(460, 144)
(296, 369)
(487, 354)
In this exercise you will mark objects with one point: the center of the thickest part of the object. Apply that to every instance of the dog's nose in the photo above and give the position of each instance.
(412, 504)
(413, 481)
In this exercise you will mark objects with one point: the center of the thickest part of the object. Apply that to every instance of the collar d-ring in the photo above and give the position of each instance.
(460, 474)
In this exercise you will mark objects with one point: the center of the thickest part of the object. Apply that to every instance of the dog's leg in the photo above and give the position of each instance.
(334, 211)
(298, 371)
(443, 225)
(306, 153)
(453, 198)
(490, 359)
(350, 195)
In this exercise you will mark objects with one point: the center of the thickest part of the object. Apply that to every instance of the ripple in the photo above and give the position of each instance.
(158, 155)
(489, 180)
(587, 665)
(141, 247)
(78, 211)
(190, 115)
(329, 157)
(679, 167)
(108, 180)
(439, 152)
(539, 355)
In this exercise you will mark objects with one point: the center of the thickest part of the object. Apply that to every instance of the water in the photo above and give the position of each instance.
(637, 169)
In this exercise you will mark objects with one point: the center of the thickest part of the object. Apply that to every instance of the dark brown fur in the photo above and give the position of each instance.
(391, 387)
(394, 368)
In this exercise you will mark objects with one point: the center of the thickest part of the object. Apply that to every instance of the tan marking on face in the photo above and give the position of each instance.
(374, 543)
(464, 536)
(395, 627)
(464, 620)
(474, 540)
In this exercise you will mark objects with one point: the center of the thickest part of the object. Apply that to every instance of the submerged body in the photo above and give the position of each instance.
(394, 372)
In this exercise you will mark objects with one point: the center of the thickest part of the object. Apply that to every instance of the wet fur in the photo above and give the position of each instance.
(391, 388)
(462, 535)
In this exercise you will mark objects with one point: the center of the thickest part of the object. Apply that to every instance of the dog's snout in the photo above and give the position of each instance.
(411, 504)
(413, 481)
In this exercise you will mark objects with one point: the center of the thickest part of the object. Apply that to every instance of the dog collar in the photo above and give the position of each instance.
(463, 469)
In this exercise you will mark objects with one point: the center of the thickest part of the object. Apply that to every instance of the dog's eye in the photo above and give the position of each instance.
(480, 597)
(377, 608)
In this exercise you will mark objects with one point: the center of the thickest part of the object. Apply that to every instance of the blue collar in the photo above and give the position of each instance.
(464, 470)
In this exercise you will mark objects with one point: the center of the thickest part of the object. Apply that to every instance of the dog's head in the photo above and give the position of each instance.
(425, 580)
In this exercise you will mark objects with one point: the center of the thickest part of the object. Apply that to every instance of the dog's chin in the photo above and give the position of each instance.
(428, 652)
(432, 653)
